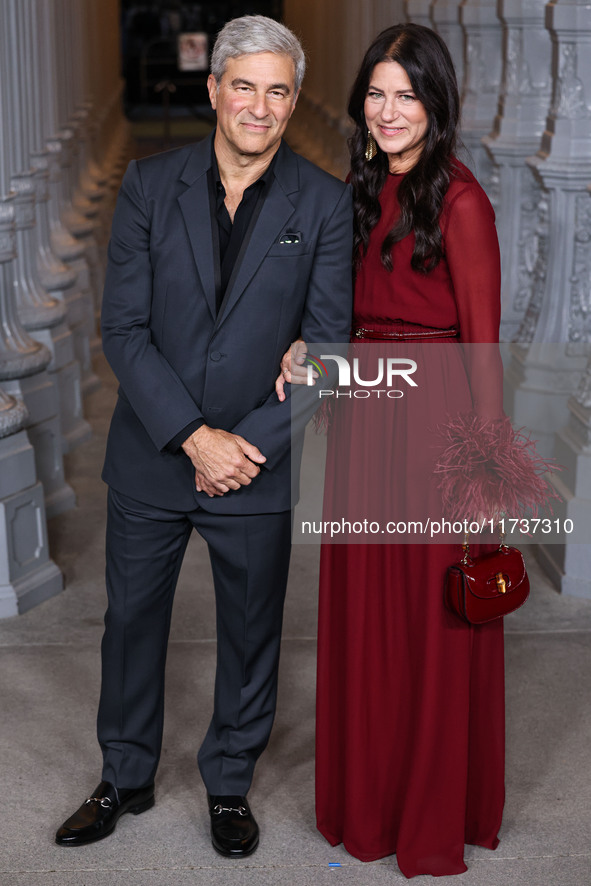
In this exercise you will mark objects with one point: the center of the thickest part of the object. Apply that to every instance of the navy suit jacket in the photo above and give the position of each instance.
(177, 361)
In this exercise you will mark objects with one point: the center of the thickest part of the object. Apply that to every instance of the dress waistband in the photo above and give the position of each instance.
(400, 330)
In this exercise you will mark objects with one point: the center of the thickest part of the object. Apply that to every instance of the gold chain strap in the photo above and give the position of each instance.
(466, 547)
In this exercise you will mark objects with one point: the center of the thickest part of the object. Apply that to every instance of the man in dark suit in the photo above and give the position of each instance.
(222, 253)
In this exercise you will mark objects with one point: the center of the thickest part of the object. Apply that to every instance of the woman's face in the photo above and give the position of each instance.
(395, 117)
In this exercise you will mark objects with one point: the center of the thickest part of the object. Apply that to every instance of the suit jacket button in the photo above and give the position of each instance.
(215, 356)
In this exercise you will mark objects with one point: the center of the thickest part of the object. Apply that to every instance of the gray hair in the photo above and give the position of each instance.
(256, 33)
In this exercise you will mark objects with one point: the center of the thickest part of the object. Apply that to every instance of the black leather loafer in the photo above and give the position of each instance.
(98, 815)
(234, 832)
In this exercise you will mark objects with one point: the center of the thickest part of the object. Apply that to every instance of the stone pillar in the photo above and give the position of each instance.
(37, 309)
(81, 215)
(446, 21)
(27, 575)
(23, 375)
(13, 339)
(56, 58)
(112, 133)
(543, 378)
(419, 12)
(89, 200)
(86, 194)
(80, 302)
(519, 125)
(39, 313)
(564, 166)
(317, 128)
(569, 565)
(558, 308)
(482, 81)
(78, 298)
(49, 274)
(92, 179)
(12, 414)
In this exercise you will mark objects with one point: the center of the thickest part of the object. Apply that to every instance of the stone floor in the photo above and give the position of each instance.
(49, 665)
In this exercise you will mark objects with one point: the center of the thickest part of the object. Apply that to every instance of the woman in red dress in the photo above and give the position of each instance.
(410, 705)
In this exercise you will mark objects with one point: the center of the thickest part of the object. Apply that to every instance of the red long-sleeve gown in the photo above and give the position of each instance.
(410, 712)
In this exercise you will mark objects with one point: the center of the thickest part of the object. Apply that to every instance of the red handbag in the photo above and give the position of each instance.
(483, 588)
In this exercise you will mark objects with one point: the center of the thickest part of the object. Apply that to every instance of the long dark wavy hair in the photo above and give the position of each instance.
(427, 62)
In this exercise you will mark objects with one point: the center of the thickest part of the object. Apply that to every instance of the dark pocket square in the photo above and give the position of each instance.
(289, 238)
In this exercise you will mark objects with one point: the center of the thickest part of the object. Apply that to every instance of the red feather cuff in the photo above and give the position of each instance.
(489, 469)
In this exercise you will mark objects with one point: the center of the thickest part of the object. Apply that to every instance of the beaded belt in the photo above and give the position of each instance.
(404, 335)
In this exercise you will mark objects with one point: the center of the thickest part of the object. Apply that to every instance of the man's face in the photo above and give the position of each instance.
(253, 101)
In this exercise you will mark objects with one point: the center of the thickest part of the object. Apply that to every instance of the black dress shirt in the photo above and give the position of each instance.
(230, 241)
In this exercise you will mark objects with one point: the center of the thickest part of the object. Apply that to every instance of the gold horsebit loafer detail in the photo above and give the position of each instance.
(234, 831)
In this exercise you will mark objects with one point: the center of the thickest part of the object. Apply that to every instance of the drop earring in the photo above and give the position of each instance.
(371, 148)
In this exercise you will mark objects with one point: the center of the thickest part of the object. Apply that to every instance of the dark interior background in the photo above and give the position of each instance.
(155, 86)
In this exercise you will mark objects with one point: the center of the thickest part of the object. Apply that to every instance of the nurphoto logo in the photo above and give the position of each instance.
(389, 372)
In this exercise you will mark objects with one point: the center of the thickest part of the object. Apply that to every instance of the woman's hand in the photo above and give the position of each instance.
(292, 368)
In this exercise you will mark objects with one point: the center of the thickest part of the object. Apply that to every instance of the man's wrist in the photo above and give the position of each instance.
(179, 439)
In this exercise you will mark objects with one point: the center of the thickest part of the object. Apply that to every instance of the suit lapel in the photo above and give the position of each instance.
(275, 213)
(276, 210)
(194, 204)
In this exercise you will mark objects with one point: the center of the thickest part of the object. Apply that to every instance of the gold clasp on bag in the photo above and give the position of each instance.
(501, 586)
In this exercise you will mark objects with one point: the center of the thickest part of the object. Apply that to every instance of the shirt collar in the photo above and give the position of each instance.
(264, 179)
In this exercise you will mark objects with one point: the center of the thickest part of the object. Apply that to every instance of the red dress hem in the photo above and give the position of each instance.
(369, 857)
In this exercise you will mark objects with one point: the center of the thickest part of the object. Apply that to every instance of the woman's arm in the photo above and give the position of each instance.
(487, 469)
(473, 258)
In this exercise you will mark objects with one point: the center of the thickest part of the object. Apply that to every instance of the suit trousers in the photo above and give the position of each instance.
(250, 559)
